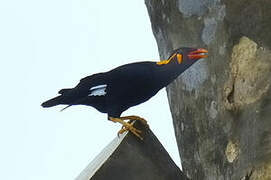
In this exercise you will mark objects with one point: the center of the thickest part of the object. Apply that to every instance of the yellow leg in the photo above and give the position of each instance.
(126, 127)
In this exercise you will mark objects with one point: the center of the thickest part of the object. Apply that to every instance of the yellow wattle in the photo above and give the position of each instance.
(166, 61)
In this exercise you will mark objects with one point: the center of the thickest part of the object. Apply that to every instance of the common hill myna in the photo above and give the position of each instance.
(128, 85)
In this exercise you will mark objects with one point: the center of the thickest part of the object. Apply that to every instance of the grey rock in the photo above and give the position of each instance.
(221, 107)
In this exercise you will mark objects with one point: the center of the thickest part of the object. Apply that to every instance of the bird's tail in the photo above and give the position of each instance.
(58, 100)
(64, 91)
(53, 102)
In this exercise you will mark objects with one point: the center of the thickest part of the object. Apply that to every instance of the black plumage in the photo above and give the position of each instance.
(128, 85)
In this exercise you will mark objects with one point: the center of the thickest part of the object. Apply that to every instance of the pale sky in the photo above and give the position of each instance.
(49, 45)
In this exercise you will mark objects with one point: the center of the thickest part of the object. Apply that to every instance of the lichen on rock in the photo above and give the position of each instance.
(249, 76)
(232, 151)
(262, 173)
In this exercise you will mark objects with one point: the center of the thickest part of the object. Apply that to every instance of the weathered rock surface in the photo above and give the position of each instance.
(221, 106)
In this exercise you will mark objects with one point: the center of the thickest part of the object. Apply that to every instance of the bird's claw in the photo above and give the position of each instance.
(135, 118)
(130, 128)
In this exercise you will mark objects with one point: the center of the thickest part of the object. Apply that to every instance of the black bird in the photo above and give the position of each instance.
(128, 85)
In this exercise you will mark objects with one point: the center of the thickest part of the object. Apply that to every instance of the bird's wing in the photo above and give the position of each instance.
(99, 90)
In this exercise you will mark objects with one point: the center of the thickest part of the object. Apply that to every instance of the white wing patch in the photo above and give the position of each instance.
(98, 90)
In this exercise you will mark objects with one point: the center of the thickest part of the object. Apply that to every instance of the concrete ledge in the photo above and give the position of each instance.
(128, 157)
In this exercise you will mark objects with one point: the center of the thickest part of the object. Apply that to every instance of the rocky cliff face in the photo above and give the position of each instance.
(221, 106)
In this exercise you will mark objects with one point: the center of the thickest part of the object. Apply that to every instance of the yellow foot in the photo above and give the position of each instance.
(131, 119)
(126, 126)
(135, 118)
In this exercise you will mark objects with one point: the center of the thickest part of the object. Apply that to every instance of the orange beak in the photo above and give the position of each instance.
(197, 54)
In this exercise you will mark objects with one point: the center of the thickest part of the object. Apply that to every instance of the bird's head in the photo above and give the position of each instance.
(185, 56)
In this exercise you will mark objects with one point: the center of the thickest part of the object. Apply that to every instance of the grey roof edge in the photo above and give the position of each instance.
(99, 160)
